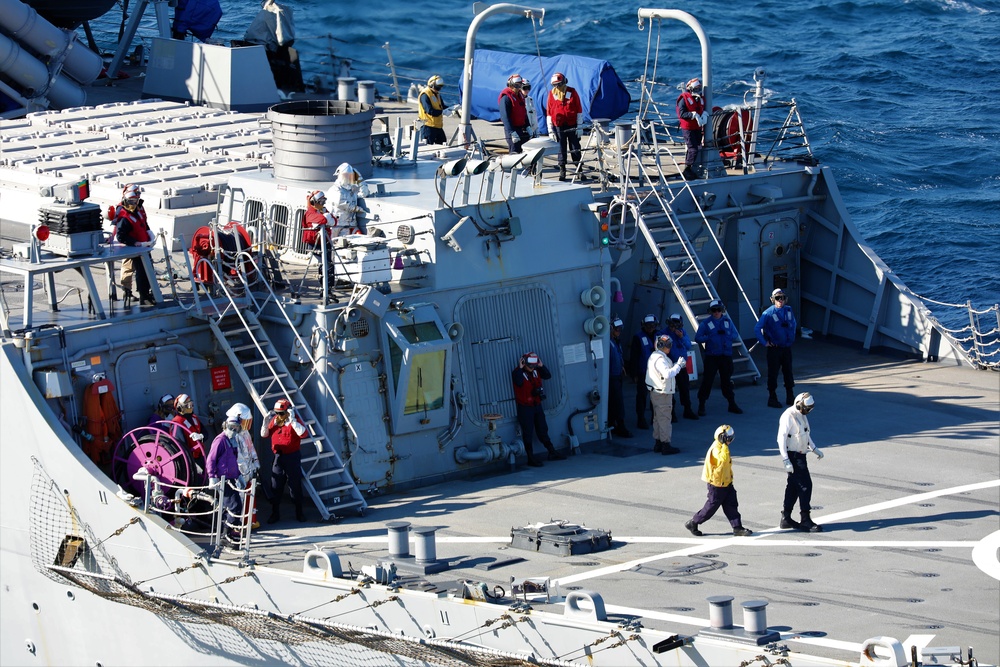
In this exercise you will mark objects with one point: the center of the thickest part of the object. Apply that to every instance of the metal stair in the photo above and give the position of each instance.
(267, 378)
(651, 206)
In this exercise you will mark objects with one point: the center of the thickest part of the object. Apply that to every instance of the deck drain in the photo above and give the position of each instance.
(924, 483)
(929, 575)
(932, 551)
(926, 505)
(803, 581)
(810, 604)
(812, 554)
(915, 600)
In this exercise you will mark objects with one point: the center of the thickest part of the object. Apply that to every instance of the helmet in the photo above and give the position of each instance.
(317, 198)
(716, 305)
(617, 323)
(558, 79)
(346, 175)
(675, 319)
(435, 82)
(804, 402)
(525, 85)
(282, 405)
(693, 86)
(167, 401)
(725, 434)
(130, 195)
(241, 412)
(663, 342)
(514, 81)
(531, 358)
(233, 424)
(649, 319)
(776, 293)
(183, 402)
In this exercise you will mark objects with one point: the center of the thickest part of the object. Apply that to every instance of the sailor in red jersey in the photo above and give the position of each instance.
(132, 230)
(286, 432)
(513, 113)
(529, 394)
(191, 435)
(565, 113)
(693, 117)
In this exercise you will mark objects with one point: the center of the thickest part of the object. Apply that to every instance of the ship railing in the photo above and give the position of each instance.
(201, 512)
(979, 340)
(395, 72)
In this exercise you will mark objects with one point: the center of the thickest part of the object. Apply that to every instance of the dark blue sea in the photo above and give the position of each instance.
(901, 98)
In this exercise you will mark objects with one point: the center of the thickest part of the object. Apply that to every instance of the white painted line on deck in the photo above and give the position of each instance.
(985, 555)
(905, 500)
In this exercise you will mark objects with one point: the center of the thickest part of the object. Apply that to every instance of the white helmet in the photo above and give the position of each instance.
(317, 198)
(233, 424)
(804, 402)
(346, 175)
(130, 195)
(776, 293)
(725, 434)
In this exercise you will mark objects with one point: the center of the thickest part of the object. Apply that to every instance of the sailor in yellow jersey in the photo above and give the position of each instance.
(718, 473)
(431, 111)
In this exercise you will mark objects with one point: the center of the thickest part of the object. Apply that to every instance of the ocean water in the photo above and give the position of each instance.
(899, 97)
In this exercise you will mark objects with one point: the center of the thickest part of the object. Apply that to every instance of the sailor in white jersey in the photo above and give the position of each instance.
(794, 441)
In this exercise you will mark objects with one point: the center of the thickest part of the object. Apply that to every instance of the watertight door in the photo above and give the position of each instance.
(364, 405)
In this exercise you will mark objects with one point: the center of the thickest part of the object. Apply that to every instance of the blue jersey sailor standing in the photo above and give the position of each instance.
(642, 346)
(776, 331)
(681, 347)
(616, 369)
(717, 333)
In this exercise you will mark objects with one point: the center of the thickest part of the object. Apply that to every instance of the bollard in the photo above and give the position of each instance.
(424, 546)
(399, 539)
(720, 612)
(345, 89)
(366, 92)
(755, 617)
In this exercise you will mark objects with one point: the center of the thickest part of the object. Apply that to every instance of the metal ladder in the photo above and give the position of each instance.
(259, 365)
(652, 208)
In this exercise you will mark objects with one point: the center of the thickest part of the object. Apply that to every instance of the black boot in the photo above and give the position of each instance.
(299, 514)
(689, 413)
(641, 423)
(673, 417)
(667, 448)
(788, 522)
(806, 524)
(735, 409)
(275, 516)
(789, 397)
(772, 400)
(740, 531)
(658, 447)
(701, 408)
(533, 462)
(693, 527)
(562, 173)
(555, 455)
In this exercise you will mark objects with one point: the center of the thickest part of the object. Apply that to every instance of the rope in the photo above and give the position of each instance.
(538, 51)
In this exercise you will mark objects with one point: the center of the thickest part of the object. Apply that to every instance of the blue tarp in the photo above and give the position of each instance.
(594, 79)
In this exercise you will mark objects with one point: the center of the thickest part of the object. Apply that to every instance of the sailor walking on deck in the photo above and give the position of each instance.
(430, 109)
(776, 331)
(718, 474)
(529, 395)
(794, 441)
(694, 119)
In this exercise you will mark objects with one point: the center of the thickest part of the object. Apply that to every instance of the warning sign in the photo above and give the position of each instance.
(220, 378)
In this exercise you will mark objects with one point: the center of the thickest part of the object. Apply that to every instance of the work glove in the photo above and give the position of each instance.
(697, 118)
(818, 453)
(553, 137)
(788, 465)
(515, 138)
(291, 414)
(579, 131)
(197, 437)
(704, 117)
(453, 111)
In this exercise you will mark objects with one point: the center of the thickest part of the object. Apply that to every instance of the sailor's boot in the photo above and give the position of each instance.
(299, 514)
(740, 531)
(562, 173)
(693, 528)
(689, 413)
(772, 400)
(275, 515)
(667, 448)
(701, 408)
(788, 522)
(789, 396)
(735, 409)
(657, 447)
(806, 523)
(640, 423)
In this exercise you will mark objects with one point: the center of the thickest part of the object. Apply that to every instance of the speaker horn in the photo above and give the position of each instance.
(596, 326)
(595, 296)
(353, 314)
(455, 332)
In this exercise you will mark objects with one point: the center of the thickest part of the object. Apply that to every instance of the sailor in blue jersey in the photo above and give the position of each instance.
(642, 347)
(681, 346)
(716, 334)
(776, 331)
(616, 369)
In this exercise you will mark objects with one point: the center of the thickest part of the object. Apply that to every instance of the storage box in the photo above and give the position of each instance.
(364, 262)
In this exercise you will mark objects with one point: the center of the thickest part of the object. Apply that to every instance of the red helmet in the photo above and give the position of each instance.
(693, 86)
(558, 79)
(514, 81)
(317, 198)
(282, 405)
(130, 194)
